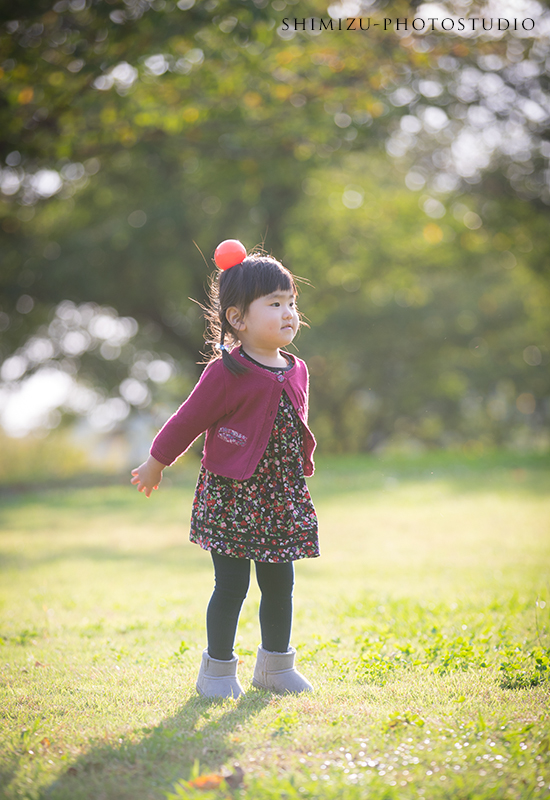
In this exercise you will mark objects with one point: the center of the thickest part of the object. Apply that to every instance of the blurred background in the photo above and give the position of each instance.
(403, 174)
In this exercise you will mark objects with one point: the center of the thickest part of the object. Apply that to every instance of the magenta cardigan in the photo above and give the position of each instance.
(237, 412)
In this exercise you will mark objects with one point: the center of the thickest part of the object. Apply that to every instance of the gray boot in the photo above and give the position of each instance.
(218, 678)
(276, 673)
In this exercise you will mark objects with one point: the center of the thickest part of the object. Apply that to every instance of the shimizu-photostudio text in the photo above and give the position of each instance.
(416, 24)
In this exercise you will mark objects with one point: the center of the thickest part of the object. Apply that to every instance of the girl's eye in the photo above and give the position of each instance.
(276, 304)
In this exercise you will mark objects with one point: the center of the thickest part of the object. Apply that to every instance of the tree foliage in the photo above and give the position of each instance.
(424, 329)
(136, 135)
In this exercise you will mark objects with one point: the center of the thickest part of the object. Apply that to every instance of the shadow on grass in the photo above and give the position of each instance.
(181, 475)
(147, 763)
(77, 510)
(184, 555)
(112, 498)
(498, 471)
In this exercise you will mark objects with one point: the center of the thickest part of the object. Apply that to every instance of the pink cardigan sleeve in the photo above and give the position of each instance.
(204, 406)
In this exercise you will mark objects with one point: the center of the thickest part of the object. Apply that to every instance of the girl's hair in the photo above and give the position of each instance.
(239, 286)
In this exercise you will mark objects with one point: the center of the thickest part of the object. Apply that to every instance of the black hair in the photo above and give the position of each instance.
(256, 276)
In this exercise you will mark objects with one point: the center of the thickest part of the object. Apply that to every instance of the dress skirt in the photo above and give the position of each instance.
(268, 517)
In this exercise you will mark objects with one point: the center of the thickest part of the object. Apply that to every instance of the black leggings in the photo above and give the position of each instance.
(232, 581)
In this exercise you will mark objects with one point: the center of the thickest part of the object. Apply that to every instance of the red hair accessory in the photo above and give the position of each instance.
(229, 253)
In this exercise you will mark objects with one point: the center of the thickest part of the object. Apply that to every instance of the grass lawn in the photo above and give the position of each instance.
(424, 627)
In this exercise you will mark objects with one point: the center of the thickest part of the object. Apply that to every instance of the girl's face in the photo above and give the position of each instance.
(269, 323)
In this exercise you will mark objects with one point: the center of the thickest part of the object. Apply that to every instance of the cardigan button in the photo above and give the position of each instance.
(280, 377)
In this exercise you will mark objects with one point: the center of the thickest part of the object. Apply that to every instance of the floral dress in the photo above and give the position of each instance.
(268, 517)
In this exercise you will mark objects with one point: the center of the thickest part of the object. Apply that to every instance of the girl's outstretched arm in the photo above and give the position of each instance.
(148, 475)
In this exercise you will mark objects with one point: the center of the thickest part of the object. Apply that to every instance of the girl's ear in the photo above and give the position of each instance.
(234, 317)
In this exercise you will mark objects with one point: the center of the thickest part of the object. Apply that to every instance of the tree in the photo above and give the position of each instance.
(132, 130)
(427, 327)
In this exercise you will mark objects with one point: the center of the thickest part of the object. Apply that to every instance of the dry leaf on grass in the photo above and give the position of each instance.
(211, 781)
(214, 781)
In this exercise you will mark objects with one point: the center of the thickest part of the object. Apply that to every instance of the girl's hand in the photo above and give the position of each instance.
(148, 476)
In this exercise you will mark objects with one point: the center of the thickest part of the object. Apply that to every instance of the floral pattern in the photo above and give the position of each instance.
(268, 517)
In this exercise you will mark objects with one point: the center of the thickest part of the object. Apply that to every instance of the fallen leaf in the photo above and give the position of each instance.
(211, 781)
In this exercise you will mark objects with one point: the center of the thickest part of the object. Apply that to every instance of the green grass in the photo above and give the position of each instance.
(424, 627)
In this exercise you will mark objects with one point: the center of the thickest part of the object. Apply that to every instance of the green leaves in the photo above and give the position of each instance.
(183, 648)
(406, 638)
(525, 669)
(396, 720)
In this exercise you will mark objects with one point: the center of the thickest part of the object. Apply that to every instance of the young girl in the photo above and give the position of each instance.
(251, 502)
